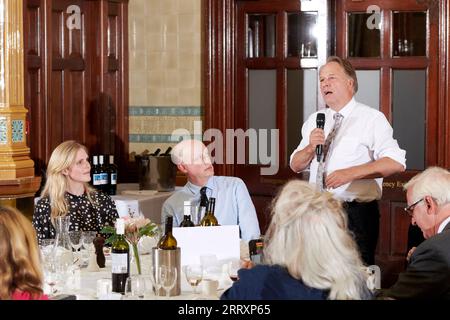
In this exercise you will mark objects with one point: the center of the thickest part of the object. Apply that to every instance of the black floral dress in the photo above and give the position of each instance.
(83, 214)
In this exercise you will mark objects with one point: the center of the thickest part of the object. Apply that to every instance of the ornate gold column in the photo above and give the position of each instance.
(16, 168)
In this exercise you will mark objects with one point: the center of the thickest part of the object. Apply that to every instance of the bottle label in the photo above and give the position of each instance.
(104, 178)
(113, 178)
(97, 179)
(119, 262)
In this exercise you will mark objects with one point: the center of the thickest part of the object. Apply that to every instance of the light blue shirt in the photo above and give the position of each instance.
(233, 204)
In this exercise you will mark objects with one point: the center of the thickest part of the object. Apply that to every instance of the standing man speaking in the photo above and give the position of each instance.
(351, 154)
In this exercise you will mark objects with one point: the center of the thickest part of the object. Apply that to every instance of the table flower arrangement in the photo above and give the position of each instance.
(135, 228)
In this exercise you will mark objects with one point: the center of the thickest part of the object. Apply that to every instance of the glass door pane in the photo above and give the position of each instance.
(409, 38)
(302, 34)
(261, 36)
(362, 40)
(262, 102)
(409, 115)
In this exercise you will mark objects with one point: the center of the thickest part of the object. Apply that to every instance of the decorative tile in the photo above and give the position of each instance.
(156, 138)
(166, 111)
(17, 131)
(3, 139)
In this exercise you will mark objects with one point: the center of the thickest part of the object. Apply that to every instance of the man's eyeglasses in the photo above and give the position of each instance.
(409, 209)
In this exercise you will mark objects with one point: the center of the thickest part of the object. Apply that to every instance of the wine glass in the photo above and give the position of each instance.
(75, 242)
(167, 278)
(194, 275)
(233, 267)
(51, 276)
(154, 278)
(87, 238)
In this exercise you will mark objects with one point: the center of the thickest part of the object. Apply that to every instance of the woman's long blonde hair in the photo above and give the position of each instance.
(20, 266)
(308, 235)
(56, 185)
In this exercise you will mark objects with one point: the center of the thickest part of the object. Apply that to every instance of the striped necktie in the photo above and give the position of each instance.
(321, 167)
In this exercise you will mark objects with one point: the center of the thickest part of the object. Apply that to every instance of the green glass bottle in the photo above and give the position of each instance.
(187, 222)
(120, 262)
(168, 241)
(209, 220)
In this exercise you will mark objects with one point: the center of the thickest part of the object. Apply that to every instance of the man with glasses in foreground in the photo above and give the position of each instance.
(428, 273)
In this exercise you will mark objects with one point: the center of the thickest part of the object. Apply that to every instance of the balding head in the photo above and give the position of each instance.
(189, 152)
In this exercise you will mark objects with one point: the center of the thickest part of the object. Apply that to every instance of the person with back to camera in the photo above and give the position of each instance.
(348, 151)
(20, 267)
(309, 253)
(67, 192)
(427, 275)
(233, 203)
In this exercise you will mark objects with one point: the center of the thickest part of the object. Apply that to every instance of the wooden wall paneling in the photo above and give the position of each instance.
(219, 71)
(77, 86)
(34, 66)
(110, 96)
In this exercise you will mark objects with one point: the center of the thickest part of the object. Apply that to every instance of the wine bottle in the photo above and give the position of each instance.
(203, 207)
(209, 220)
(168, 241)
(120, 262)
(112, 176)
(167, 152)
(187, 216)
(103, 174)
(96, 176)
(157, 151)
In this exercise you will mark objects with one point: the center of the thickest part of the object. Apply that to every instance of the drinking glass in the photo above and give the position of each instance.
(154, 278)
(135, 287)
(194, 275)
(87, 239)
(75, 242)
(167, 278)
(51, 276)
(233, 267)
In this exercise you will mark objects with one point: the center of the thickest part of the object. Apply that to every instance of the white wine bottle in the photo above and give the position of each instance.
(187, 222)
(168, 241)
(120, 262)
(209, 220)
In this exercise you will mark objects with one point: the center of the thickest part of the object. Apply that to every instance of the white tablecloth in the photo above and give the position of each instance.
(83, 284)
(148, 206)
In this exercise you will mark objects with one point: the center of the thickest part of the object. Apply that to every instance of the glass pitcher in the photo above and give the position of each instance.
(62, 251)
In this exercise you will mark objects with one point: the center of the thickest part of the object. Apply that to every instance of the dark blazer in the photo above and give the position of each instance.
(428, 273)
(265, 282)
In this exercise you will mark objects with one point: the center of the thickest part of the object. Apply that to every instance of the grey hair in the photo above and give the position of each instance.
(434, 182)
(186, 150)
(308, 235)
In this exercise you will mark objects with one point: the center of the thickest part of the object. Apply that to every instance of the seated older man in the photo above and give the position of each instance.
(428, 273)
(233, 203)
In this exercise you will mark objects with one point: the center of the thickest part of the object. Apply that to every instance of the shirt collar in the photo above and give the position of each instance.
(194, 189)
(443, 225)
(347, 109)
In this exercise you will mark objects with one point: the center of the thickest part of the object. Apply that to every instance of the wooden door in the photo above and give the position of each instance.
(397, 40)
(76, 82)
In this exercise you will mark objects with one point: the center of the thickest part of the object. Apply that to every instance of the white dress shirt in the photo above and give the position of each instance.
(365, 135)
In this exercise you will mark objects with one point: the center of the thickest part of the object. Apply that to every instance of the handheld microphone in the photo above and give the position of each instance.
(320, 122)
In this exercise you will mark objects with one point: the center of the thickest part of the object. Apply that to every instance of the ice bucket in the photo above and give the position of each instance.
(156, 173)
(169, 258)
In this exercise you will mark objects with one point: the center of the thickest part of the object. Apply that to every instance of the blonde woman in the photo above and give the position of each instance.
(309, 253)
(20, 269)
(67, 192)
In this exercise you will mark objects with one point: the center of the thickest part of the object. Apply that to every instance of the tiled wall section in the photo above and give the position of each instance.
(165, 70)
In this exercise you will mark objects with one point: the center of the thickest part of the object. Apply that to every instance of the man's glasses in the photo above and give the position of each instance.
(409, 209)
